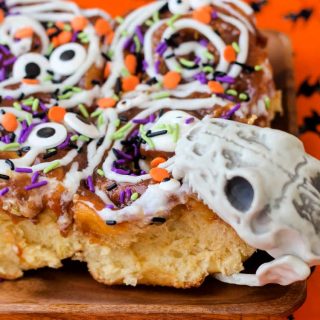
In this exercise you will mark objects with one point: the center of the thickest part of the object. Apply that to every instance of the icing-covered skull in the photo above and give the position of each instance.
(50, 46)
(262, 183)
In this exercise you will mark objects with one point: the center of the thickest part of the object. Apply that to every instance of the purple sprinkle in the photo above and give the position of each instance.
(133, 134)
(23, 170)
(128, 193)
(197, 60)
(120, 171)
(8, 98)
(152, 118)
(189, 120)
(133, 47)
(4, 191)
(110, 206)
(66, 142)
(231, 112)
(142, 172)
(136, 150)
(227, 97)
(123, 154)
(26, 108)
(157, 66)
(9, 61)
(121, 161)
(5, 50)
(141, 121)
(204, 42)
(144, 65)
(25, 134)
(43, 106)
(161, 48)
(35, 177)
(214, 14)
(201, 77)
(36, 185)
(90, 184)
(74, 37)
(7, 139)
(139, 34)
(127, 44)
(2, 74)
(226, 79)
(122, 196)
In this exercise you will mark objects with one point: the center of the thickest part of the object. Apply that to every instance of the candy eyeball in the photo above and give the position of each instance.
(199, 3)
(47, 135)
(67, 59)
(81, 125)
(179, 6)
(31, 66)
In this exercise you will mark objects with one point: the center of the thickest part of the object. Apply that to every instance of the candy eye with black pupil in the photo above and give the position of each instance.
(81, 125)
(31, 66)
(32, 70)
(47, 135)
(179, 6)
(46, 132)
(67, 59)
(239, 193)
(67, 55)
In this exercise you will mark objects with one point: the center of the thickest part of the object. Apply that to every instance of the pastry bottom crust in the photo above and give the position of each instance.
(193, 243)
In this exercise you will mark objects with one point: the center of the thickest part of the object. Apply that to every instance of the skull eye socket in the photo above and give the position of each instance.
(239, 193)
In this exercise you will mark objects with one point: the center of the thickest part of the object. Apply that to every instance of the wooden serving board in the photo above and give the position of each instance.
(71, 294)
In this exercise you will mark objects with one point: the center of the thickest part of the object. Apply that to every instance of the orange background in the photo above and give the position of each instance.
(305, 34)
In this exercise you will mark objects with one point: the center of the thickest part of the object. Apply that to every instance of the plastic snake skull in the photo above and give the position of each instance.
(262, 183)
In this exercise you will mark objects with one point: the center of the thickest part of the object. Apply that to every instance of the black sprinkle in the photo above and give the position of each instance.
(73, 145)
(123, 119)
(22, 95)
(112, 186)
(161, 112)
(111, 222)
(50, 72)
(2, 111)
(156, 133)
(10, 164)
(105, 56)
(246, 68)
(166, 179)
(12, 137)
(19, 153)
(80, 150)
(158, 220)
(50, 154)
(40, 115)
(118, 86)
(96, 82)
(4, 177)
(152, 81)
(25, 149)
(100, 141)
(164, 8)
(169, 56)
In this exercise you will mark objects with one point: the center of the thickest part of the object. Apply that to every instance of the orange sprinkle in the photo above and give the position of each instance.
(156, 161)
(106, 103)
(131, 63)
(30, 81)
(216, 87)
(159, 174)
(129, 83)
(107, 70)
(171, 80)
(2, 15)
(79, 23)
(203, 14)
(51, 31)
(102, 27)
(60, 24)
(109, 38)
(64, 37)
(24, 33)
(56, 114)
(55, 42)
(230, 54)
(9, 122)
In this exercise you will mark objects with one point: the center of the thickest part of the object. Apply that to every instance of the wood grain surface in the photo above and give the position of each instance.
(71, 294)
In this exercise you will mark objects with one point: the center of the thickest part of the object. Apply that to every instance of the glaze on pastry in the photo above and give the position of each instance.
(101, 130)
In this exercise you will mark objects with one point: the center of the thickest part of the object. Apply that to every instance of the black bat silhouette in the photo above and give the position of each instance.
(311, 123)
(257, 5)
(308, 89)
(304, 14)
